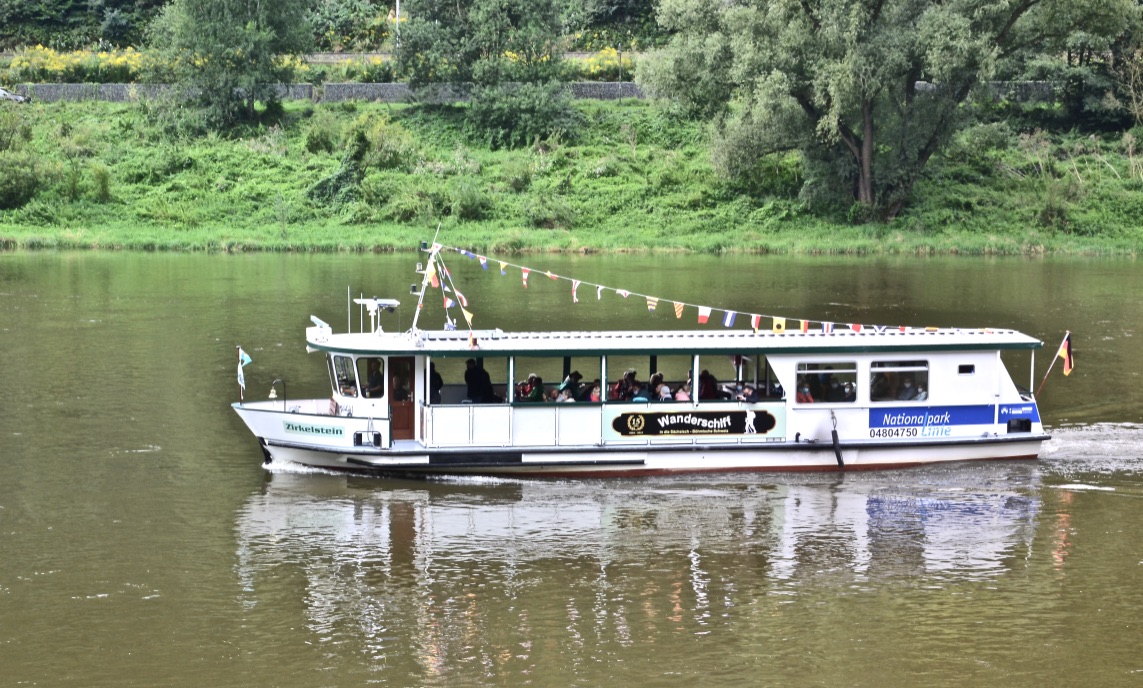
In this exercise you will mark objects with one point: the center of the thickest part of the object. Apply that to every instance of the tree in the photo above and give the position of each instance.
(505, 54)
(231, 53)
(868, 90)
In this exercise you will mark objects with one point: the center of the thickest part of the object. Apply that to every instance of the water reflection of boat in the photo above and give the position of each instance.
(856, 397)
(345, 533)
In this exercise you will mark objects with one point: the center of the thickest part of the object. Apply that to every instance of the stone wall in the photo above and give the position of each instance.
(1019, 91)
(381, 93)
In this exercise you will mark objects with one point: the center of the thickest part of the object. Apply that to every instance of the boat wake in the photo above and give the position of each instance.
(1103, 449)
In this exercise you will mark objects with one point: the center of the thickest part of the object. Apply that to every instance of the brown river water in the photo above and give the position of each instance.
(142, 542)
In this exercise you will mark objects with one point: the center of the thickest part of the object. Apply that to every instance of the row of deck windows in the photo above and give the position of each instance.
(673, 379)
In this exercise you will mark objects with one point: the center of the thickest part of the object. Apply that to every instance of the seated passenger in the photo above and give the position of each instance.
(707, 386)
(594, 394)
(804, 396)
(907, 392)
(660, 391)
(835, 392)
(748, 394)
(532, 389)
(683, 393)
(571, 383)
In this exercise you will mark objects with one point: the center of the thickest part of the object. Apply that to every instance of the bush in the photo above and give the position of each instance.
(323, 133)
(22, 178)
(511, 115)
(548, 212)
(14, 129)
(468, 199)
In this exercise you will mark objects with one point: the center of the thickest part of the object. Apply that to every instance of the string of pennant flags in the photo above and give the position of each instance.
(437, 274)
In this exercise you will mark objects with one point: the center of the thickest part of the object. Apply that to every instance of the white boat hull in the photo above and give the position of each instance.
(410, 457)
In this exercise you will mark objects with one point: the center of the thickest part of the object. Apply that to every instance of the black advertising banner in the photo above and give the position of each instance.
(694, 423)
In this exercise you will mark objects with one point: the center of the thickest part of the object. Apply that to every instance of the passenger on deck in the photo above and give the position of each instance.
(660, 391)
(594, 394)
(571, 383)
(683, 393)
(436, 382)
(907, 392)
(707, 386)
(626, 388)
(835, 392)
(397, 390)
(748, 394)
(804, 396)
(533, 389)
(479, 383)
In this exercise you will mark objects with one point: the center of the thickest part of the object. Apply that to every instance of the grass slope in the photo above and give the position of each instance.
(372, 177)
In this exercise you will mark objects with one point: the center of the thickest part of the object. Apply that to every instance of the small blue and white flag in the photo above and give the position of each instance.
(728, 319)
(243, 359)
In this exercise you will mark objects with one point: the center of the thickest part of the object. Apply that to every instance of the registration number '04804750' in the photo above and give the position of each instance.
(892, 432)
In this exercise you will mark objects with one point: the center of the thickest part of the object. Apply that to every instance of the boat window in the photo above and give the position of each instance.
(344, 376)
(899, 380)
(717, 377)
(829, 382)
(968, 369)
(371, 372)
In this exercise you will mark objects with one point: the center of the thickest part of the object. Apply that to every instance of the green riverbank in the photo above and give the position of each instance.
(370, 177)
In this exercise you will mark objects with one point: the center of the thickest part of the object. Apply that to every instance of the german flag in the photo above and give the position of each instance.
(1065, 353)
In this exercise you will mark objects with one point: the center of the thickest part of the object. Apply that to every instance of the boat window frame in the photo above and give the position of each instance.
(807, 375)
(919, 369)
(347, 386)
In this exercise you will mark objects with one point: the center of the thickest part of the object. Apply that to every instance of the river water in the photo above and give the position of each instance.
(142, 542)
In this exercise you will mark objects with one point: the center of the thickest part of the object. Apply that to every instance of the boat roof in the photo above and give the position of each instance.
(458, 344)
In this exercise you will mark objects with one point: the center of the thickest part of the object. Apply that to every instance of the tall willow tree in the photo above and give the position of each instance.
(231, 53)
(868, 90)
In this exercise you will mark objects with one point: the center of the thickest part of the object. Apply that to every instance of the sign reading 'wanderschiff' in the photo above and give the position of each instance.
(694, 423)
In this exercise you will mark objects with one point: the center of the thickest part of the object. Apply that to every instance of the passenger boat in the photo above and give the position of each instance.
(458, 402)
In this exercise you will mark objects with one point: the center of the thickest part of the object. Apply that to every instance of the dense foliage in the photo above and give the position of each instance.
(844, 81)
(229, 54)
(506, 54)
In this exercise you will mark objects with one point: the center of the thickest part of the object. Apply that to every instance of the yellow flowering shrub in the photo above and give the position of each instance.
(44, 65)
(604, 66)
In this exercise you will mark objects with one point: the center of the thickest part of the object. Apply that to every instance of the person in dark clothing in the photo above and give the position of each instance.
(479, 383)
(436, 382)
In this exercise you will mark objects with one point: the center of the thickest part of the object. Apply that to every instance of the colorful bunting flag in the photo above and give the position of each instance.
(549, 274)
(652, 302)
(460, 297)
(623, 292)
(755, 322)
(827, 328)
(678, 310)
(855, 327)
(503, 268)
(524, 272)
(450, 324)
(448, 303)
(483, 262)
(433, 279)
(575, 286)
(805, 326)
(704, 314)
(728, 319)
(779, 324)
(467, 254)
(879, 329)
(467, 317)
(599, 293)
